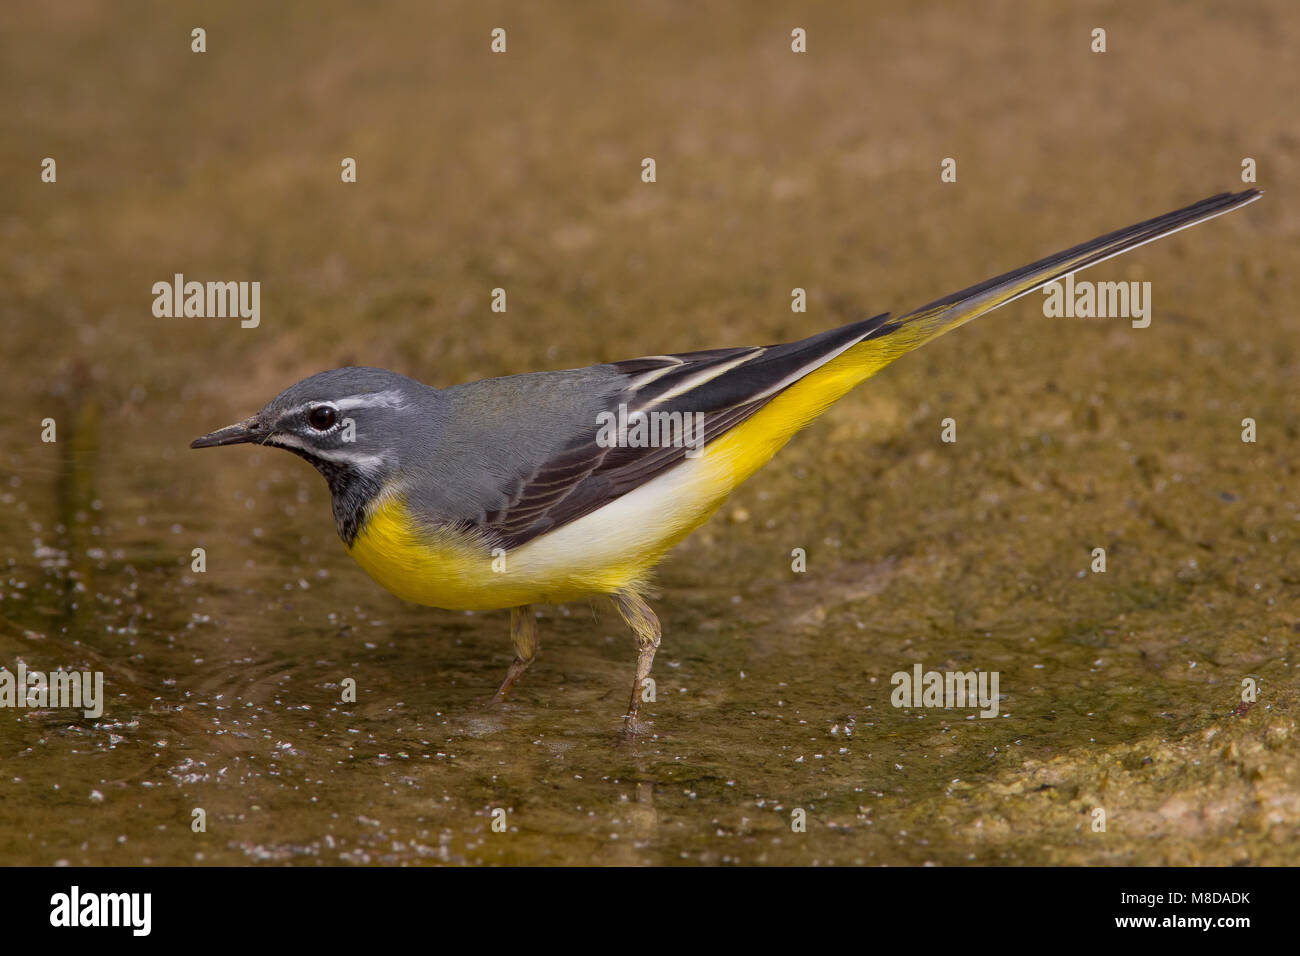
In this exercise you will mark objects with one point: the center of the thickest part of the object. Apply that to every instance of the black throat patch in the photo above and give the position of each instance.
(351, 490)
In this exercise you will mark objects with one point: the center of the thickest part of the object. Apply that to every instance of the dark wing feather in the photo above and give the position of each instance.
(726, 385)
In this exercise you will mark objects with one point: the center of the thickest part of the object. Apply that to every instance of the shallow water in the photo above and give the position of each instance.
(1120, 690)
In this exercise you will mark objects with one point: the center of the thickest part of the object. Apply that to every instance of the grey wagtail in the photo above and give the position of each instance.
(517, 491)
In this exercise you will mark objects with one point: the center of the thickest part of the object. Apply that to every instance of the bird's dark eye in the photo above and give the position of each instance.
(321, 418)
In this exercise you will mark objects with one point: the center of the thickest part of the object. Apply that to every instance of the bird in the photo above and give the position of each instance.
(553, 487)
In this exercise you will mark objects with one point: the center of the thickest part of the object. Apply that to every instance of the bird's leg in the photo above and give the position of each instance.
(646, 630)
(523, 632)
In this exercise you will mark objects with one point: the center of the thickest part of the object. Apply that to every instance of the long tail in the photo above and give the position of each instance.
(881, 340)
(930, 321)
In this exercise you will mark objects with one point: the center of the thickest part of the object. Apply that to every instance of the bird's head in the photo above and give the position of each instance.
(356, 425)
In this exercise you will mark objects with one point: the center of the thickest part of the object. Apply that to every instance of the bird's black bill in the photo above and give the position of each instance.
(250, 429)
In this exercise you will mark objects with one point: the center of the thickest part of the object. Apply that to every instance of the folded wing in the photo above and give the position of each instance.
(725, 385)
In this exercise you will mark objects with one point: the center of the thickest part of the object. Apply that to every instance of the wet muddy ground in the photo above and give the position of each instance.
(1121, 691)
